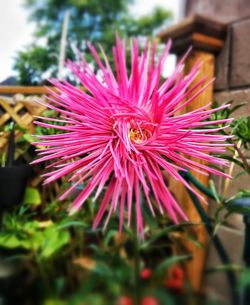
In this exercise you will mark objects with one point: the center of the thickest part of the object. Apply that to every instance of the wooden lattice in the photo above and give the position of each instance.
(19, 109)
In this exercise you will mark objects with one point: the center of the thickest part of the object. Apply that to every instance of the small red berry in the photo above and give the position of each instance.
(149, 300)
(146, 274)
(178, 273)
(175, 285)
(124, 300)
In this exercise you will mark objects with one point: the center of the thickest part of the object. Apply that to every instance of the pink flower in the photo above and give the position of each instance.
(120, 133)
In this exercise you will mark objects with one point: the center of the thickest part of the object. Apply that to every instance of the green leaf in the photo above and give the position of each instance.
(164, 297)
(233, 109)
(170, 261)
(163, 232)
(223, 268)
(234, 160)
(214, 191)
(29, 138)
(244, 279)
(239, 205)
(109, 236)
(241, 194)
(238, 210)
(54, 302)
(197, 243)
(103, 269)
(71, 223)
(53, 240)
(32, 196)
(241, 129)
(16, 258)
(10, 241)
(244, 172)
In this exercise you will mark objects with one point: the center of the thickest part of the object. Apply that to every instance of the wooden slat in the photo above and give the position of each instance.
(29, 90)
(201, 41)
(12, 113)
(196, 23)
(198, 31)
(195, 267)
(34, 90)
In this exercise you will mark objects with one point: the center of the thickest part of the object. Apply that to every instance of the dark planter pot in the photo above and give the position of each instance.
(13, 180)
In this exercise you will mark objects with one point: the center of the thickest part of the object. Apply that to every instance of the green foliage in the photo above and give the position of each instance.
(145, 25)
(60, 250)
(244, 281)
(226, 112)
(171, 261)
(42, 239)
(159, 233)
(32, 62)
(39, 130)
(241, 129)
(223, 268)
(32, 196)
(92, 20)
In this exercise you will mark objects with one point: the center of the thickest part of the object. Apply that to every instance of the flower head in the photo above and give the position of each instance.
(122, 131)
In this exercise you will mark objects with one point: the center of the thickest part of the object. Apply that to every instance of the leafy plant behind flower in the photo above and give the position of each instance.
(241, 130)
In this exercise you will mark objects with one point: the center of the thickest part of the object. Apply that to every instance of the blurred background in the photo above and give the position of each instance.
(32, 31)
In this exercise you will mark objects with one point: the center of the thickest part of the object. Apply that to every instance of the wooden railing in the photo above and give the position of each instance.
(33, 90)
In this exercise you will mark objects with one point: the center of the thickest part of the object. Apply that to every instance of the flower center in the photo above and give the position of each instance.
(139, 136)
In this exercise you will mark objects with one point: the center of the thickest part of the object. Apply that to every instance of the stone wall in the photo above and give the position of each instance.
(232, 71)
(222, 10)
(232, 83)
(233, 64)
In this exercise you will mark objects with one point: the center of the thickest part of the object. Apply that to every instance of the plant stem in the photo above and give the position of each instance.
(136, 265)
(11, 146)
(190, 178)
(230, 171)
(243, 158)
(215, 239)
(44, 276)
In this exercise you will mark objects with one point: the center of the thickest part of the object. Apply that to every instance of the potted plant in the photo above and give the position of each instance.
(13, 176)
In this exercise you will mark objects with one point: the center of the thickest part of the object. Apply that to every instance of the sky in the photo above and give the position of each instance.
(16, 31)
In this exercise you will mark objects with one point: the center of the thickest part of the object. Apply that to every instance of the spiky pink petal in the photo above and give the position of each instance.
(120, 133)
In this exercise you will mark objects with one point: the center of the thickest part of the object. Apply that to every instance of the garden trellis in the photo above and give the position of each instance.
(19, 108)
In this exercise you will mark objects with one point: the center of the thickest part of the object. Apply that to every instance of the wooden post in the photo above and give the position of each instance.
(207, 38)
